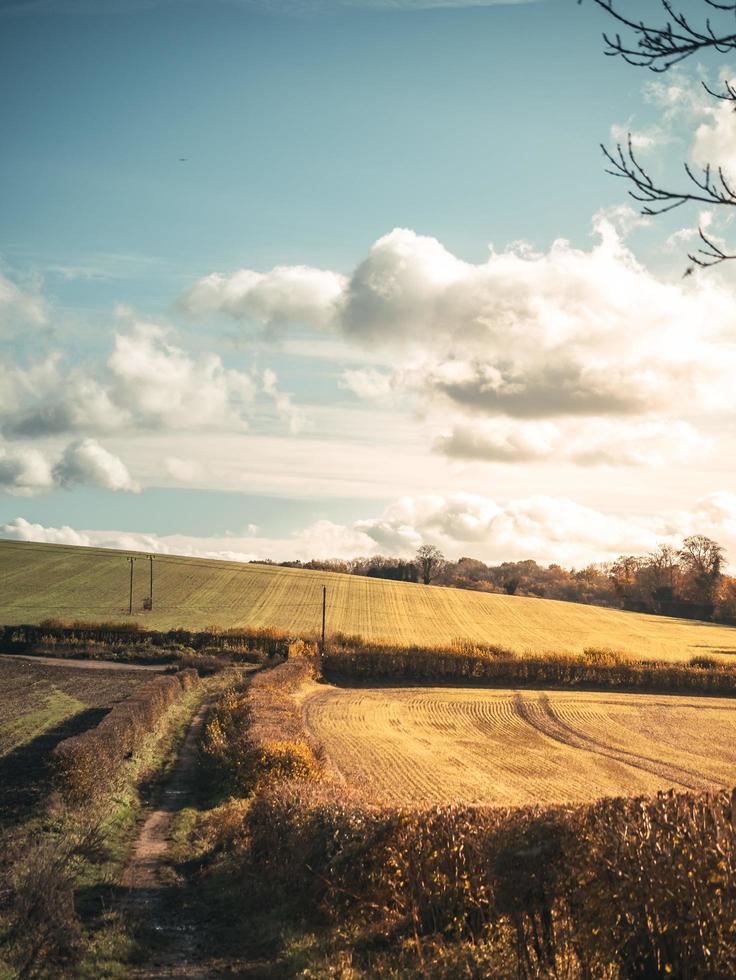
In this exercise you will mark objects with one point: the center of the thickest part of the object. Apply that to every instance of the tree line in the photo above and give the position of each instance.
(688, 582)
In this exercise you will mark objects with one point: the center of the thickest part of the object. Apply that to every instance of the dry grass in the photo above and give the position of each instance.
(444, 745)
(40, 581)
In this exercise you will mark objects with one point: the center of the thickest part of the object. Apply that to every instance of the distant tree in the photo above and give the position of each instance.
(658, 47)
(625, 575)
(701, 561)
(511, 584)
(726, 600)
(430, 562)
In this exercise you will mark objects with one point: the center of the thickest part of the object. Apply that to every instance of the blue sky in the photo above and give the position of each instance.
(148, 146)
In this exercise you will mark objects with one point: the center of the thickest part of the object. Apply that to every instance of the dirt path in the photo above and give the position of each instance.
(85, 664)
(174, 945)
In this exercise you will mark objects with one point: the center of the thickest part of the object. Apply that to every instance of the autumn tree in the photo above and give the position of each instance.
(430, 562)
(701, 560)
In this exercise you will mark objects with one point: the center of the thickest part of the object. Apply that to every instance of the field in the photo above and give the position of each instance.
(39, 706)
(449, 745)
(35, 697)
(41, 581)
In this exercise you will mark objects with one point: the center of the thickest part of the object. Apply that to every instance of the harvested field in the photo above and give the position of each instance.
(42, 581)
(504, 747)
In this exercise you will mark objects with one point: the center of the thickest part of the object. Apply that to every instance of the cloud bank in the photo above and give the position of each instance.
(548, 529)
(575, 355)
(148, 383)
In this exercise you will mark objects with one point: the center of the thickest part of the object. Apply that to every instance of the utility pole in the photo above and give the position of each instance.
(130, 600)
(150, 593)
(324, 616)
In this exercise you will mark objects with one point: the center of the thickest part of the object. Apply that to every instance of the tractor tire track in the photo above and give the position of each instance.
(546, 722)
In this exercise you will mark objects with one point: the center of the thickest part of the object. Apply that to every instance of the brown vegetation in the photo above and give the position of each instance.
(354, 660)
(623, 888)
(85, 765)
(638, 887)
(133, 642)
(256, 735)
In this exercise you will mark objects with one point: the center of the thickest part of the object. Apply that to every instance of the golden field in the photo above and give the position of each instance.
(512, 748)
(41, 581)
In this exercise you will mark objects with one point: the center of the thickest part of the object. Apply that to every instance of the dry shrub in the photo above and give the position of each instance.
(628, 888)
(256, 735)
(42, 934)
(85, 765)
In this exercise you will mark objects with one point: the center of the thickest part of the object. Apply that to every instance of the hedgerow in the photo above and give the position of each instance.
(623, 888)
(353, 660)
(85, 765)
(256, 735)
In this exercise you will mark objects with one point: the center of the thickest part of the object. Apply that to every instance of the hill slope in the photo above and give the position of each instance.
(38, 581)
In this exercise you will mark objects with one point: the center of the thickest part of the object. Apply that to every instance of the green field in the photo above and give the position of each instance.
(40, 581)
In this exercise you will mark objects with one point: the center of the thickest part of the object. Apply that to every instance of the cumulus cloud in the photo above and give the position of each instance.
(548, 529)
(27, 472)
(147, 383)
(540, 337)
(22, 530)
(24, 472)
(286, 294)
(87, 463)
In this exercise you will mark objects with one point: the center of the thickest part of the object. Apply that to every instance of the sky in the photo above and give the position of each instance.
(291, 279)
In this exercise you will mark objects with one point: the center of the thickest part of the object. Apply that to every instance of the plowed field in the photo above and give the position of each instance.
(506, 747)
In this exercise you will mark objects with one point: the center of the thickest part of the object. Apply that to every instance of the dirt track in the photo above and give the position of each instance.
(147, 896)
(518, 747)
(85, 664)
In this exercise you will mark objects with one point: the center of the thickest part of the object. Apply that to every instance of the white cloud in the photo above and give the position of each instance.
(87, 463)
(24, 472)
(588, 442)
(684, 102)
(565, 334)
(548, 529)
(285, 407)
(286, 294)
(22, 530)
(27, 472)
(642, 140)
(147, 383)
(366, 383)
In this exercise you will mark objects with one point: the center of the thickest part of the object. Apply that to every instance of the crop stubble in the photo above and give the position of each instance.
(432, 745)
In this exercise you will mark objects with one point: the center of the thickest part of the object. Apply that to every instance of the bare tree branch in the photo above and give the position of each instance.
(659, 48)
(712, 254)
(711, 189)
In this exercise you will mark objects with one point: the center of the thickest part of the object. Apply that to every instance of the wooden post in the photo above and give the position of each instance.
(150, 592)
(130, 599)
(324, 617)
